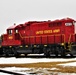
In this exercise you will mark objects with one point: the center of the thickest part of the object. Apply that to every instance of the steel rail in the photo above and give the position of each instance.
(9, 72)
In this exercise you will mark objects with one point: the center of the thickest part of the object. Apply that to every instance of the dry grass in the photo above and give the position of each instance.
(45, 65)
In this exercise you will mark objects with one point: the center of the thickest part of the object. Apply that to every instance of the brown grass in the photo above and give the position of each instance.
(45, 65)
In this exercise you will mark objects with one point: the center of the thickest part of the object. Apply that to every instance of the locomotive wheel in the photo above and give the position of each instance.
(25, 55)
(63, 52)
(6, 55)
(56, 51)
(16, 54)
(71, 55)
(1, 51)
(5, 52)
(46, 52)
(36, 51)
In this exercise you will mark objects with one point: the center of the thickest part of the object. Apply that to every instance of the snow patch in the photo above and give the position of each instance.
(31, 71)
(69, 64)
(31, 60)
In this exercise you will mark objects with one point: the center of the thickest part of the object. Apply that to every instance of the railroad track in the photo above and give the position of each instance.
(39, 56)
(14, 73)
(10, 72)
(46, 57)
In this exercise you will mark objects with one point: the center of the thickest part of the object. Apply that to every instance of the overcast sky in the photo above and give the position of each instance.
(20, 11)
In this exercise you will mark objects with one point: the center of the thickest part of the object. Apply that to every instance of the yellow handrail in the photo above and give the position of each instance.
(69, 39)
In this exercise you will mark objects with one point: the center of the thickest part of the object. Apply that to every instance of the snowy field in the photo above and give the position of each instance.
(30, 71)
(69, 64)
(42, 71)
(32, 60)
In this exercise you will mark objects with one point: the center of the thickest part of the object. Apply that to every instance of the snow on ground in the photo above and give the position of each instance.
(40, 71)
(69, 64)
(13, 60)
(15, 69)
(3, 73)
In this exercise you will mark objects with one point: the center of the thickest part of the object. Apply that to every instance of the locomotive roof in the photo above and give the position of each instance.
(12, 27)
(15, 26)
(36, 22)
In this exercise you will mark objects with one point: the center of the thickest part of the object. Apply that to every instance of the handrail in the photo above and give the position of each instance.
(21, 36)
(69, 39)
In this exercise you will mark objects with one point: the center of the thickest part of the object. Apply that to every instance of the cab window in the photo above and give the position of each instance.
(16, 31)
(10, 32)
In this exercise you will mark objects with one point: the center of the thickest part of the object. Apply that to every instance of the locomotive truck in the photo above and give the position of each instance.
(56, 37)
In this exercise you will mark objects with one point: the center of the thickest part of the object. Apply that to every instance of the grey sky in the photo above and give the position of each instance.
(20, 11)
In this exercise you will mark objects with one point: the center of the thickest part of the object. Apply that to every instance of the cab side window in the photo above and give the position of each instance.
(10, 32)
(16, 31)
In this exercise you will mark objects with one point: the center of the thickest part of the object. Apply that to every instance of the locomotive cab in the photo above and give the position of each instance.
(13, 33)
(11, 38)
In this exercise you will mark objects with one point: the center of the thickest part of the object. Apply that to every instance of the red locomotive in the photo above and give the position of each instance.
(36, 37)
